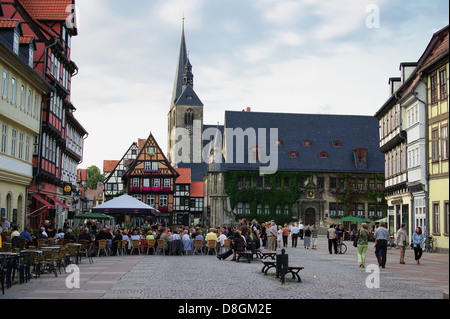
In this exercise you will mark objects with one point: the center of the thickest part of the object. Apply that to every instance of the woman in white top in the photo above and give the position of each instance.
(279, 236)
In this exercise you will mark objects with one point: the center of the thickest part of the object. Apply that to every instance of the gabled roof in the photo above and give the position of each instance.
(109, 165)
(185, 175)
(437, 49)
(189, 97)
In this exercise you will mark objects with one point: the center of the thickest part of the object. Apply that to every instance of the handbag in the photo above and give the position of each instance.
(355, 241)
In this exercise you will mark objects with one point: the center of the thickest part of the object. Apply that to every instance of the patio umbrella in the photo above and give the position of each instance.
(353, 219)
(126, 204)
(94, 216)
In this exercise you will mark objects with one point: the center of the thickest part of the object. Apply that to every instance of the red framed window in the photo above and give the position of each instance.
(435, 145)
(293, 154)
(336, 143)
(307, 143)
(323, 155)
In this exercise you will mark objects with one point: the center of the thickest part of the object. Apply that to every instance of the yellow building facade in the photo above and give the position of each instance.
(435, 73)
(21, 92)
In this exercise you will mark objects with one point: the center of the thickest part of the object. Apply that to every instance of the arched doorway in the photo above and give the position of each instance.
(310, 217)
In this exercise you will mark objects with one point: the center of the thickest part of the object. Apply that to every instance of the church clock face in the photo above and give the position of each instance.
(311, 194)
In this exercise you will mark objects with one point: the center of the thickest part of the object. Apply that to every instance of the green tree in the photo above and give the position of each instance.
(94, 176)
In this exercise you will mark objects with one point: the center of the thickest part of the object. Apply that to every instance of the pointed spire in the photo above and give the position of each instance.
(180, 71)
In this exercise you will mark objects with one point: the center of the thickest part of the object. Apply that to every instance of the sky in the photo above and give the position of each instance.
(290, 56)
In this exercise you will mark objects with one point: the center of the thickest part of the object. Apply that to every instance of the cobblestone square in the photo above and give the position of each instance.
(200, 277)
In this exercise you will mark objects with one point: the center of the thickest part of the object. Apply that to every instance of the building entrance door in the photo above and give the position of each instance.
(310, 217)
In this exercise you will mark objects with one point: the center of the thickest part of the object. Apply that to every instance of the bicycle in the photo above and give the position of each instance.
(429, 245)
(342, 248)
(391, 243)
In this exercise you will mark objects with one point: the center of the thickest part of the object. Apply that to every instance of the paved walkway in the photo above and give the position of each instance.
(205, 277)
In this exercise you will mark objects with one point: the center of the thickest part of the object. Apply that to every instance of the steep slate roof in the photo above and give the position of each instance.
(182, 61)
(353, 132)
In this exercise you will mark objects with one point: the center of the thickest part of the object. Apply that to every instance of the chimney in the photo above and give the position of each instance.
(249, 109)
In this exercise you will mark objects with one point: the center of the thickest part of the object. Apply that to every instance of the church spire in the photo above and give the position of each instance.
(180, 71)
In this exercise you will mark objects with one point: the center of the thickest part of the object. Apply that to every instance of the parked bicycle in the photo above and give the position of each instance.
(391, 243)
(429, 244)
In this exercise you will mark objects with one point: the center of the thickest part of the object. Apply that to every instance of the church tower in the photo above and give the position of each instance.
(186, 112)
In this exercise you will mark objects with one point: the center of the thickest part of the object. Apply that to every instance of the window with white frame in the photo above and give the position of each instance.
(16, 43)
(22, 96)
(13, 90)
(13, 142)
(151, 200)
(29, 101)
(163, 201)
(21, 145)
(27, 148)
(167, 183)
(135, 182)
(157, 182)
(5, 84)
(4, 138)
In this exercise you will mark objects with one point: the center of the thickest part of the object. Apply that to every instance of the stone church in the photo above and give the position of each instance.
(288, 167)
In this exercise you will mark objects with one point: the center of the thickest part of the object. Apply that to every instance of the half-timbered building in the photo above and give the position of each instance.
(151, 179)
(114, 171)
(59, 147)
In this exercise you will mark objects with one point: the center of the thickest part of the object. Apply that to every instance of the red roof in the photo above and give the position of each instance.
(109, 166)
(47, 9)
(8, 23)
(185, 175)
(197, 189)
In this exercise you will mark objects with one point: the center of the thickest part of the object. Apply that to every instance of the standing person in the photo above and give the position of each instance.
(331, 235)
(285, 235)
(273, 237)
(314, 236)
(381, 237)
(418, 240)
(244, 228)
(307, 237)
(294, 233)
(279, 236)
(363, 244)
(264, 235)
(301, 228)
(401, 242)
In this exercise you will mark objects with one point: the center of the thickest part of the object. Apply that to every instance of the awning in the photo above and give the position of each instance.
(43, 201)
(57, 201)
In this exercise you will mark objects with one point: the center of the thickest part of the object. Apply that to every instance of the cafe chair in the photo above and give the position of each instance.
(102, 247)
(211, 245)
(161, 246)
(198, 246)
(135, 246)
(151, 245)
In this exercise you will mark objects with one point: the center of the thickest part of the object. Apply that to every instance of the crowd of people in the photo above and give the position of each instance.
(245, 237)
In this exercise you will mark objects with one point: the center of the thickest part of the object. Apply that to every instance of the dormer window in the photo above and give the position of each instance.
(360, 156)
(336, 143)
(16, 43)
(293, 154)
(307, 143)
(30, 56)
(323, 155)
(278, 142)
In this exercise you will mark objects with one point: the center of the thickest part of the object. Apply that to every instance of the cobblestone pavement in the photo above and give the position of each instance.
(205, 277)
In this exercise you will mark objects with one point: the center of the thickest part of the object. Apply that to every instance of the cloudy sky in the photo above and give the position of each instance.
(292, 56)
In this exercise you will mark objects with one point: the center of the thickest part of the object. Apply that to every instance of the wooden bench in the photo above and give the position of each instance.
(266, 254)
(244, 254)
(292, 269)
